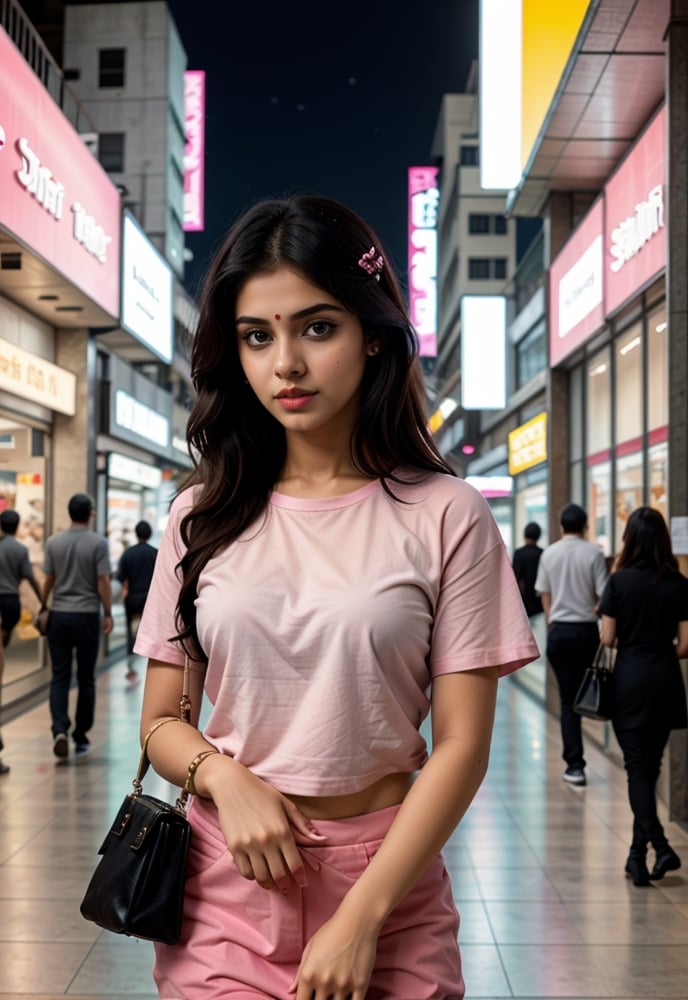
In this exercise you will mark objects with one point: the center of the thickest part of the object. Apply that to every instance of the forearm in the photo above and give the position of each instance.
(105, 594)
(435, 804)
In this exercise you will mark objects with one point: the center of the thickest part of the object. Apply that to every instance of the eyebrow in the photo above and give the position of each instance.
(301, 314)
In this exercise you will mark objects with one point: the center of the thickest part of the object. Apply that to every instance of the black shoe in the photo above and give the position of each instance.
(637, 869)
(667, 861)
(575, 776)
(61, 745)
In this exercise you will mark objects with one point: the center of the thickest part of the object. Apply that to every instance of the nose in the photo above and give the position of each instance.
(288, 362)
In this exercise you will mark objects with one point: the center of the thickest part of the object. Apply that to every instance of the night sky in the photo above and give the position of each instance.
(333, 98)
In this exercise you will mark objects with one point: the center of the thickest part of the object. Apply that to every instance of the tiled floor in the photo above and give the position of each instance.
(537, 869)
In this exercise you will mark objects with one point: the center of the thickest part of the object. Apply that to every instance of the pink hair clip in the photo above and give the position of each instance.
(372, 262)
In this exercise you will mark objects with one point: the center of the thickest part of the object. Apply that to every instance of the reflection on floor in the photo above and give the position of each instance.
(537, 868)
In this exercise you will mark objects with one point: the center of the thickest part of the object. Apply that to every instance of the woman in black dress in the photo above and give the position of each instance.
(645, 614)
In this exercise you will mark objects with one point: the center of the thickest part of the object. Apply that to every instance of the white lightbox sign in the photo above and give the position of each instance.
(580, 289)
(130, 471)
(483, 352)
(131, 415)
(146, 291)
(501, 88)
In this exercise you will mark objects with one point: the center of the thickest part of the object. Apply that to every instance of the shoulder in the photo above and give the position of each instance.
(440, 492)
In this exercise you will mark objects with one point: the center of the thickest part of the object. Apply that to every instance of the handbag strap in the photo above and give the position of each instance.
(184, 716)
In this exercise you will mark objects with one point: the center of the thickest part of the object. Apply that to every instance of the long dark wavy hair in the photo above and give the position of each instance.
(238, 447)
(647, 544)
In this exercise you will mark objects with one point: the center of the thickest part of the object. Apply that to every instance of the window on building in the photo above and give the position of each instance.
(111, 151)
(478, 268)
(598, 416)
(657, 370)
(478, 223)
(468, 156)
(499, 224)
(499, 267)
(111, 67)
(531, 354)
(629, 384)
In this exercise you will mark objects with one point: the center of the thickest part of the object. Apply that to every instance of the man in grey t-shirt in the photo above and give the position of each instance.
(571, 576)
(77, 567)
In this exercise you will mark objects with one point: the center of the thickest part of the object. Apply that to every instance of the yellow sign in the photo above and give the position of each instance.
(528, 445)
(549, 34)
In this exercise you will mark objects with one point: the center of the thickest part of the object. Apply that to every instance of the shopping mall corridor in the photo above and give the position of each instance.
(537, 868)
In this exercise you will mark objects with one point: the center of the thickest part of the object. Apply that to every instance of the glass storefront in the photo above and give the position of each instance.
(23, 488)
(625, 453)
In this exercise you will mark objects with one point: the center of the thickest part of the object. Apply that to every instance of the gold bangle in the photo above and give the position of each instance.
(189, 785)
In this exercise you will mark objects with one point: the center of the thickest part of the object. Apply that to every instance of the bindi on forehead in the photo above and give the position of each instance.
(277, 316)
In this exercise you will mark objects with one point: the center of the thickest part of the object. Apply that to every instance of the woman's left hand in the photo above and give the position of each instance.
(337, 962)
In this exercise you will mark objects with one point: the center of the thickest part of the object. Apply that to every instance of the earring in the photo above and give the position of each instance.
(373, 349)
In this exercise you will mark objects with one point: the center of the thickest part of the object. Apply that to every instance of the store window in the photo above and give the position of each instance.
(629, 384)
(657, 370)
(658, 462)
(599, 506)
(598, 409)
(629, 492)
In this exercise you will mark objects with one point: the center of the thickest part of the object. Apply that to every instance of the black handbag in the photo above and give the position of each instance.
(137, 887)
(595, 697)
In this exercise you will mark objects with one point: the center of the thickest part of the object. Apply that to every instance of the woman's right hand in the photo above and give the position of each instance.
(257, 822)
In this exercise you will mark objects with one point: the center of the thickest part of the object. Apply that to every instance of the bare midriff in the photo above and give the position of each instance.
(388, 791)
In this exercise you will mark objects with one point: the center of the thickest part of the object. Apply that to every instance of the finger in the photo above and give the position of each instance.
(262, 872)
(243, 865)
(293, 861)
(301, 822)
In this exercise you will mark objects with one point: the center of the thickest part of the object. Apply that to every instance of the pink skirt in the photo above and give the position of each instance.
(243, 942)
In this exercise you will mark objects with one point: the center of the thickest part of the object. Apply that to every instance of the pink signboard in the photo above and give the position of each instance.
(423, 203)
(55, 198)
(635, 248)
(576, 292)
(194, 151)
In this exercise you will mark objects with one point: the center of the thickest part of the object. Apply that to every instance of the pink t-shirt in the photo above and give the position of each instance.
(325, 622)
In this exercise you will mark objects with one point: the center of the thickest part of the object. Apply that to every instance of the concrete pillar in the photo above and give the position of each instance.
(677, 314)
(74, 437)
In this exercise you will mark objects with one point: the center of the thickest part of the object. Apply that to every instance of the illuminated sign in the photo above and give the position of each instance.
(146, 291)
(132, 415)
(33, 378)
(635, 230)
(483, 352)
(576, 287)
(194, 150)
(423, 204)
(55, 198)
(528, 445)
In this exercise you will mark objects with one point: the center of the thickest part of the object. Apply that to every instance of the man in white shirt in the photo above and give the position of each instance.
(571, 576)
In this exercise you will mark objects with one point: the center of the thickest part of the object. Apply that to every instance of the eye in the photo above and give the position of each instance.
(255, 338)
(321, 328)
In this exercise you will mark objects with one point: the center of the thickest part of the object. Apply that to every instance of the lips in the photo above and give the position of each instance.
(293, 393)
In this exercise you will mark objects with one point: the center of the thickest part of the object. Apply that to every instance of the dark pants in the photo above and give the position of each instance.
(133, 608)
(71, 631)
(571, 648)
(642, 751)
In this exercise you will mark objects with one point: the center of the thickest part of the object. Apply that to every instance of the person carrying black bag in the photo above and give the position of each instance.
(645, 613)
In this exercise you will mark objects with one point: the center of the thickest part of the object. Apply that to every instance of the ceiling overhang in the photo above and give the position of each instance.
(613, 82)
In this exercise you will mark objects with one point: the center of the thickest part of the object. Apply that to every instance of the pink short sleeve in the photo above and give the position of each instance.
(480, 620)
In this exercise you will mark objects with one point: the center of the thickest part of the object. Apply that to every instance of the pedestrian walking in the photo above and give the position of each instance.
(135, 572)
(77, 568)
(525, 563)
(15, 566)
(645, 615)
(571, 576)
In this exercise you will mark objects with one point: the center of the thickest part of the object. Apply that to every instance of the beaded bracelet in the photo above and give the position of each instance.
(189, 785)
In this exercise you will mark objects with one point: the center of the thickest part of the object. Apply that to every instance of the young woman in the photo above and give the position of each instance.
(330, 580)
(645, 613)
